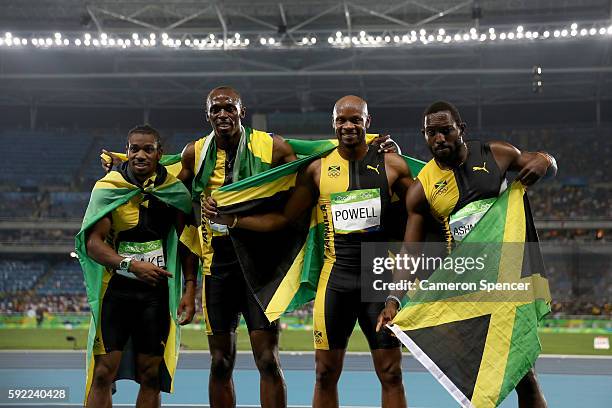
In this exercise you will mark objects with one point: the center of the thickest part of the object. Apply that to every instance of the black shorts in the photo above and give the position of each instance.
(133, 309)
(338, 307)
(227, 295)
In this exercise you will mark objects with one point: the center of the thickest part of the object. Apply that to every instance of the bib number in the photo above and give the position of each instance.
(356, 211)
(464, 220)
(151, 251)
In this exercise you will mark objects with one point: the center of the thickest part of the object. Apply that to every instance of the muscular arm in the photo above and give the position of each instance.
(98, 249)
(104, 254)
(398, 172)
(302, 198)
(186, 308)
(188, 258)
(188, 165)
(281, 151)
(531, 166)
(417, 207)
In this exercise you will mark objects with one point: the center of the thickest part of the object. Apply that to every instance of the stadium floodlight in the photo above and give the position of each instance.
(430, 38)
(546, 34)
(564, 33)
(313, 40)
(447, 39)
(152, 36)
(387, 38)
(491, 30)
(473, 30)
(422, 31)
(66, 42)
(493, 36)
(466, 37)
(483, 37)
(557, 34)
(87, 36)
(8, 34)
(134, 36)
(246, 41)
(103, 36)
(96, 43)
(519, 29)
(396, 38)
(145, 42)
(164, 36)
(573, 33)
(511, 35)
(87, 43)
(48, 42)
(602, 31)
(457, 37)
(441, 31)
(593, 31)
(263, 41)
(528, 35)
(77, 42)
(362, 33)
(34, 41)
(271, 41)
(338, 34)
(610, 30)
(57, 35)
(330, 40)
(502, 36)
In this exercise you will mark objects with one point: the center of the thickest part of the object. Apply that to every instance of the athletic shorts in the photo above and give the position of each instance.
(136, 310)
(227, 294)
(338, 307)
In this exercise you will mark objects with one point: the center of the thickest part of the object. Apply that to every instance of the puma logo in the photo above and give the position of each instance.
(483, 168)
(373, 168)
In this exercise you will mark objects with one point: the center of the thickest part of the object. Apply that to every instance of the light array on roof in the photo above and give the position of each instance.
(339, 40)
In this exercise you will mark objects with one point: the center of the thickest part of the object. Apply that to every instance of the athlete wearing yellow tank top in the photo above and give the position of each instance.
(462, 173)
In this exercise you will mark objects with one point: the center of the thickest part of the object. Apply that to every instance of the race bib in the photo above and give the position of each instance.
(218, 229)
(151, 251)
(462, 222)
(356, 211)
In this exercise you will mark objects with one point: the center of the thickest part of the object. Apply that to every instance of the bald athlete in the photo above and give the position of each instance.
(357, 171)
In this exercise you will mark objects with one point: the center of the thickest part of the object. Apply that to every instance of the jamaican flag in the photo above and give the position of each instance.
(114, 193)
(478, 343)
(282, 267)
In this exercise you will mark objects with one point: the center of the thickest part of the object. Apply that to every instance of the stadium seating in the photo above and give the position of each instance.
(16, 276)
(66, 278)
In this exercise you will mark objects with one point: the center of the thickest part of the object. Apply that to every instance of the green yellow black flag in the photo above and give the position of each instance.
(477, 343)
(282, 268)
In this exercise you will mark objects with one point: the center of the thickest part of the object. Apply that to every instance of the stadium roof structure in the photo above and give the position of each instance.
(301, 55)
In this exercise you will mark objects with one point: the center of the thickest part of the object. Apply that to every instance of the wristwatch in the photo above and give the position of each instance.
(124, 265)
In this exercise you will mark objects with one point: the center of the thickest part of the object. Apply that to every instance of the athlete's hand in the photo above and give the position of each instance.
(387, 315)
(385, 144)
(209, 208)
(210, 211)
(107, 166)
(186, 309)
(148, 272)
(534, 170)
